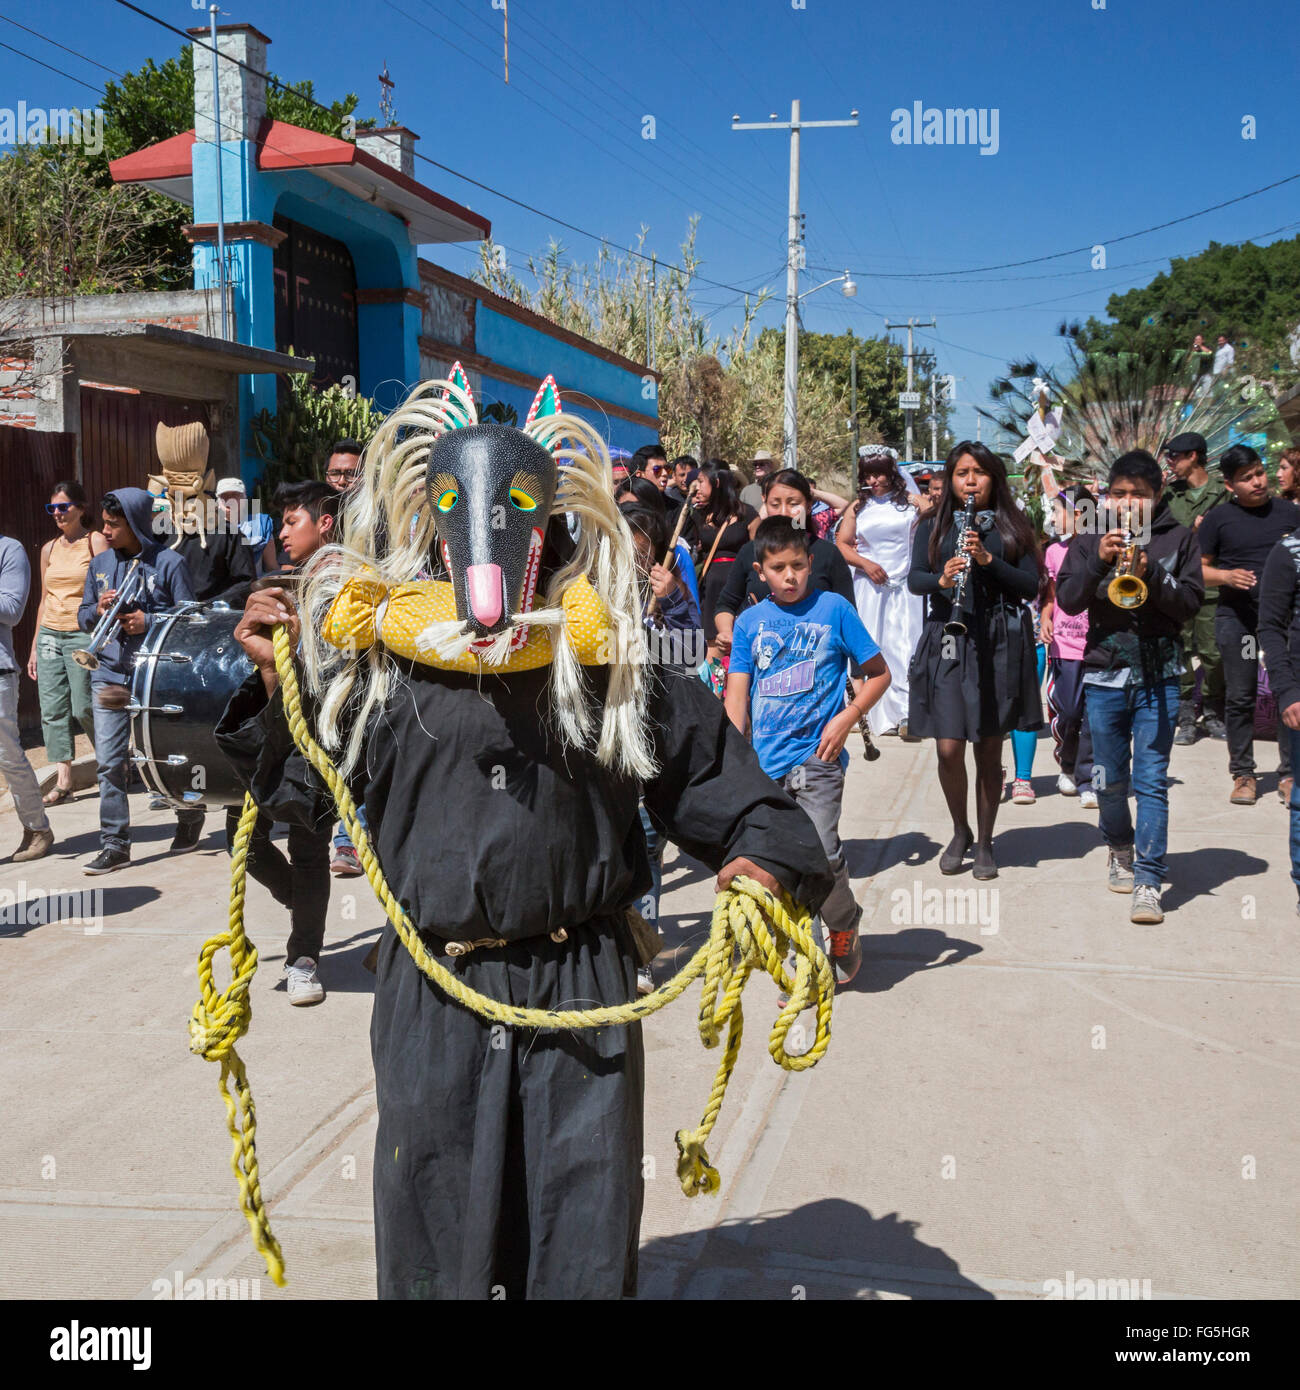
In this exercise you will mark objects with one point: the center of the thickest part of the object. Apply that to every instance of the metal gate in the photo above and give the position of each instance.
(117, 436)
(316, 302)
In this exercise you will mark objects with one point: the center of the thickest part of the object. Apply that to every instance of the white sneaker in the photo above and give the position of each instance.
(645, 980)
(304, 987)
(1088, 799)
(1065, 785)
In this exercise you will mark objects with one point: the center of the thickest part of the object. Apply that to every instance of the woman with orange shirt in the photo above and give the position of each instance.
(64, 686)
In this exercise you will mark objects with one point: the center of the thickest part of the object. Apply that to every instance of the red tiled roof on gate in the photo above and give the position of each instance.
(167, 167)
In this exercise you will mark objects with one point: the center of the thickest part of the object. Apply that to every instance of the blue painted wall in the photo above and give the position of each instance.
(388, 334)
(528, 349)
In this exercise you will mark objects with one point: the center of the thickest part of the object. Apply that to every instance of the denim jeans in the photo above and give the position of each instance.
(1293, 738)
(13, 761)
(342, 840)
(654, 843)
(818, 788)
(113, 752)
(1134, 725)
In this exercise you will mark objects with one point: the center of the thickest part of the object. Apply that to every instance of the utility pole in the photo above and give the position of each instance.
(934, 418)
(221, 198)
(793, 265)
(853, 409)
(909, 409)
(650, 316)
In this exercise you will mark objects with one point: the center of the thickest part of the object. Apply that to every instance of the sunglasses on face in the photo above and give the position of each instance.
(657, 469)
(58, 508)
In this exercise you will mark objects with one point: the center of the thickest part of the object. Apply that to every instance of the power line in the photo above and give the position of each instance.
(437, 164)
(45, 38)
(957, 347)
(621, 92)
(527, 96)
(97, 90)
(1078, 250)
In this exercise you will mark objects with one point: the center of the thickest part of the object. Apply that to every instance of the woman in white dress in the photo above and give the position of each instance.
(875, 538)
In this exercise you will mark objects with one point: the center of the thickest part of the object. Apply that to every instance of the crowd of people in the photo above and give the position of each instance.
(926, 606)
(987, 627)
(778, 619)
(180, 540)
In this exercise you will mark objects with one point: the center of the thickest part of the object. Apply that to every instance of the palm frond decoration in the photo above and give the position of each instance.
(1110, 403)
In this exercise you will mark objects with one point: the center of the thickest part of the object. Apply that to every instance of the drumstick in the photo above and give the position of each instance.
(672, 545)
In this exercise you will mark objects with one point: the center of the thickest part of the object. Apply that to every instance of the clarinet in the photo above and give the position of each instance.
(956, 624)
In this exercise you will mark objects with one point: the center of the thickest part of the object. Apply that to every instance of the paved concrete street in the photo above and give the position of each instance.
(1022, 1086)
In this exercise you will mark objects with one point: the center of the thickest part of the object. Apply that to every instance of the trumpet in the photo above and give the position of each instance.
(956, 624)
(1126, 590)
(110, 622)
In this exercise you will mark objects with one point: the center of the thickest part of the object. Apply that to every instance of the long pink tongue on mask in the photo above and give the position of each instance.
(485, 585)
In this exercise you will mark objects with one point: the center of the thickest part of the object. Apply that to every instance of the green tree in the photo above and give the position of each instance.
(63, 232)
(293, 443)
(1249, 293)
(882, 374)
(155, 103)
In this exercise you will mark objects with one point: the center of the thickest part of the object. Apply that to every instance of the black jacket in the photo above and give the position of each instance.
(1279, 620)
(830, 571)
(216, 562)
(1175, 590)
(1000, 581)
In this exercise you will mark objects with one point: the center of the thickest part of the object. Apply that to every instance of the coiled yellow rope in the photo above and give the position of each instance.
(751, 929)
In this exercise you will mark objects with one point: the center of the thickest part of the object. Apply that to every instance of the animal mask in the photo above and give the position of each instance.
(490, 489)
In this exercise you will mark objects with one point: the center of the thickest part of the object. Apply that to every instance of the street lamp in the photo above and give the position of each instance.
(850, 286)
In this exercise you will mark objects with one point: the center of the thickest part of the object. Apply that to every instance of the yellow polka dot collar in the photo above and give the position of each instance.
(367, 611)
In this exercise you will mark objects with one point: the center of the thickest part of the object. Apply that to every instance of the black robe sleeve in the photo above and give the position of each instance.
(253, 733)
(1019, 580)
(840, 575)
(713, 800)
(1082, 570)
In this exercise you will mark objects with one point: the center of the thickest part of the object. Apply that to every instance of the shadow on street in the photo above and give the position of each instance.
(826, 1249)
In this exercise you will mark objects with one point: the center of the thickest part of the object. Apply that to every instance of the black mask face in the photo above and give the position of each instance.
(491, 489)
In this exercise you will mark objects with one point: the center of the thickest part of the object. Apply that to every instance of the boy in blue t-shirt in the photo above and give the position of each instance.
(789, 655)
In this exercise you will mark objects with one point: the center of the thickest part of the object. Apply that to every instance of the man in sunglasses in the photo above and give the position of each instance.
(651, 460)
(1192, 493)
(344, 465)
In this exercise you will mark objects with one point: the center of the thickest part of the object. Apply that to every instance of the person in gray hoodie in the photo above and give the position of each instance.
(128, 528)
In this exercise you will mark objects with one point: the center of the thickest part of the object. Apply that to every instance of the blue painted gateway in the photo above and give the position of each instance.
(321, 238)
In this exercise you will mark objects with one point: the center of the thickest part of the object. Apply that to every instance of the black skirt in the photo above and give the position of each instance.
(978, 684)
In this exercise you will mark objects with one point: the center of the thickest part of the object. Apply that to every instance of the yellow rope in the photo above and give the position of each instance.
(216, 1025)
(751, 929)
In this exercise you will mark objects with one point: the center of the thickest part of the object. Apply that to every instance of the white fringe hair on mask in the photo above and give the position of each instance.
(389, 530)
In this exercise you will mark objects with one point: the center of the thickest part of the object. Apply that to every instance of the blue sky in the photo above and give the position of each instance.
(1109, 121)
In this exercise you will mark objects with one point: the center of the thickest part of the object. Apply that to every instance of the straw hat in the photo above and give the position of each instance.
(182, 448)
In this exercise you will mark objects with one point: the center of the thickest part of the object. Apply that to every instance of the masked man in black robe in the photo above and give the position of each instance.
(500, 748)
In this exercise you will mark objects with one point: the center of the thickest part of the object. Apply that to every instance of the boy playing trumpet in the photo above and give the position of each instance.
(1132, 661)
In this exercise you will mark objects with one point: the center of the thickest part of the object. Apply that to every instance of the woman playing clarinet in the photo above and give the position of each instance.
(974, 676)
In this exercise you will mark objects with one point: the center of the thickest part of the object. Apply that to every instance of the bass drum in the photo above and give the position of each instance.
(185, 673)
